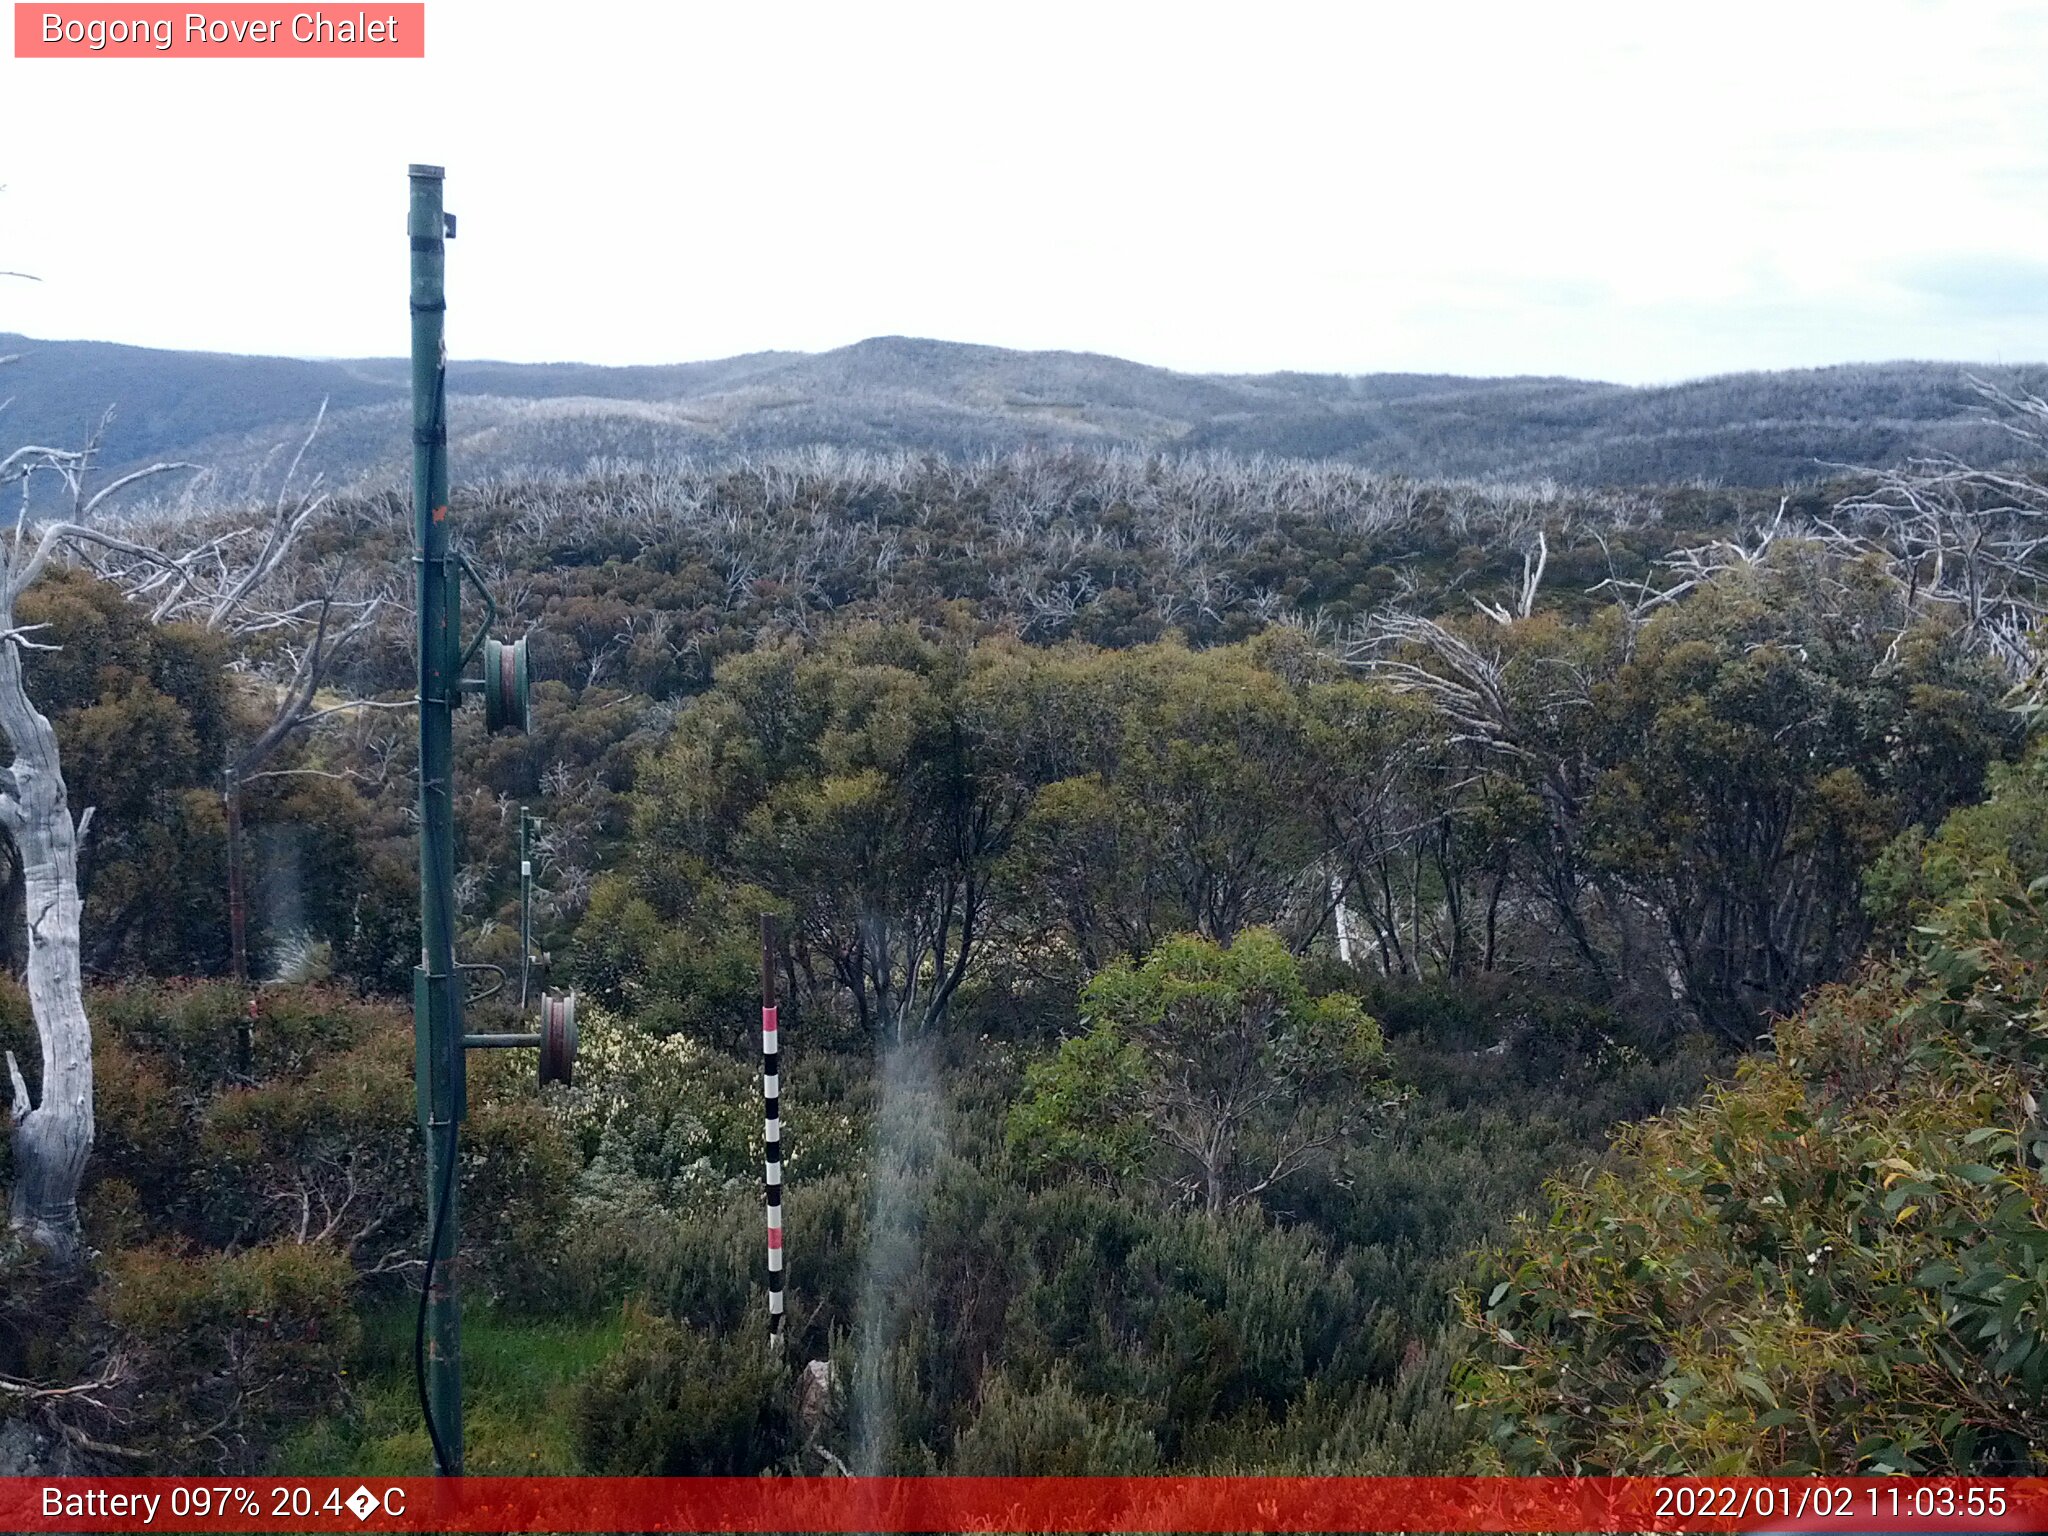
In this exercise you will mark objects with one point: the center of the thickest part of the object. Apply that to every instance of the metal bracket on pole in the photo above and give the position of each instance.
(483, 630)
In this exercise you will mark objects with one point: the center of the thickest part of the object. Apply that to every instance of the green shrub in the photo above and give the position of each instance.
(226, 1352)
(1406, 1426)
(1048, 1432)
(322, 1146)
(332, 1156)
(195, 1028)
(662, 1121)
(676, 1401)
(2005, 836)
(1208, 1070)
(1831, 1265)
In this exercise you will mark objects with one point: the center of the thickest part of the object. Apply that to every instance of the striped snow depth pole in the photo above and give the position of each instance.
(771, 1126)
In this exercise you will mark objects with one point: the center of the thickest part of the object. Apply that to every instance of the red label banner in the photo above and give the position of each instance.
(1025, 1504)
(227, 31)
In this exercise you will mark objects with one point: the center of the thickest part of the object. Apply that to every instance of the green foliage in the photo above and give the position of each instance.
(1832, 1264)
(1176, 793)
(233, 1349)
(698, 976)
(518, 1178)
(679, 1402)
(868, 787)
(1079, 1109)
(1210, 1068)
(211, 1156)
(1050, 1432)
(817, 690)
(1757, 750)
(2004, 836)
(1204, 1321)
(240, 1219)
(142, 713)
(145, 714)
(662, 1124)
(1406, 1426)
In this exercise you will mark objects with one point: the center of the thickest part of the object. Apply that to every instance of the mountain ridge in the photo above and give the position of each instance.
(232, 412)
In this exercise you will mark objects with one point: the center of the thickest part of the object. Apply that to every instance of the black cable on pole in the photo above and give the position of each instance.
(419, 1336)
(442, 1462)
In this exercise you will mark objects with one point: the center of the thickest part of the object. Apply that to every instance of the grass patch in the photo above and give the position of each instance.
(519, 1376)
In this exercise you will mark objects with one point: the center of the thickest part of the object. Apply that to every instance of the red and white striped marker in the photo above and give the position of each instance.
(771, 1124)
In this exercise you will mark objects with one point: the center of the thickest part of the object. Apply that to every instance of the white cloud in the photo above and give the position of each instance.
(1614, 190)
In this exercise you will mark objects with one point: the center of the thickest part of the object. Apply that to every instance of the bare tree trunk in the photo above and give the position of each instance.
(51, 1140)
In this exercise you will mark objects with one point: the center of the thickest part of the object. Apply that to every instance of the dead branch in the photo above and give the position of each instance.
(113, 1374)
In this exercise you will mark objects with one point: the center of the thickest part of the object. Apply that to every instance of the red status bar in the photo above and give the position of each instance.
(1025, 1504)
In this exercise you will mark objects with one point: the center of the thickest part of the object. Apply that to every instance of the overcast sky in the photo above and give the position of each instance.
(1638, 191)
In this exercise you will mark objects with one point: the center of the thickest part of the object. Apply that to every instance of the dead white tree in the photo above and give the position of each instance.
(228, 581)
(1967, 541)
(1685, 569)
(1533, 562)
(53, 1131)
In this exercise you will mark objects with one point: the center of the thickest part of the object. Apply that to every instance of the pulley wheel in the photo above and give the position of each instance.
(506, 693)
(557, 1037)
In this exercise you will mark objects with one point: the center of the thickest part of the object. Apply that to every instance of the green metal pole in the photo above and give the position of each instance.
(526, 821)
(437, 1002)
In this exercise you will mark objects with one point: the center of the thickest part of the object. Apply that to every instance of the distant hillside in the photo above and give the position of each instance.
(233, 413)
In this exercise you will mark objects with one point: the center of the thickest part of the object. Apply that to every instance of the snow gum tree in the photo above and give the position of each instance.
(215, 582)
(52, 1129)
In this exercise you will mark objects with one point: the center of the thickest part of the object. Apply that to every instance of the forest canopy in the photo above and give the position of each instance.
(1214, 898)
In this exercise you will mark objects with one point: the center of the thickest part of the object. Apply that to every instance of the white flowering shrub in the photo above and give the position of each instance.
(664, 1123)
